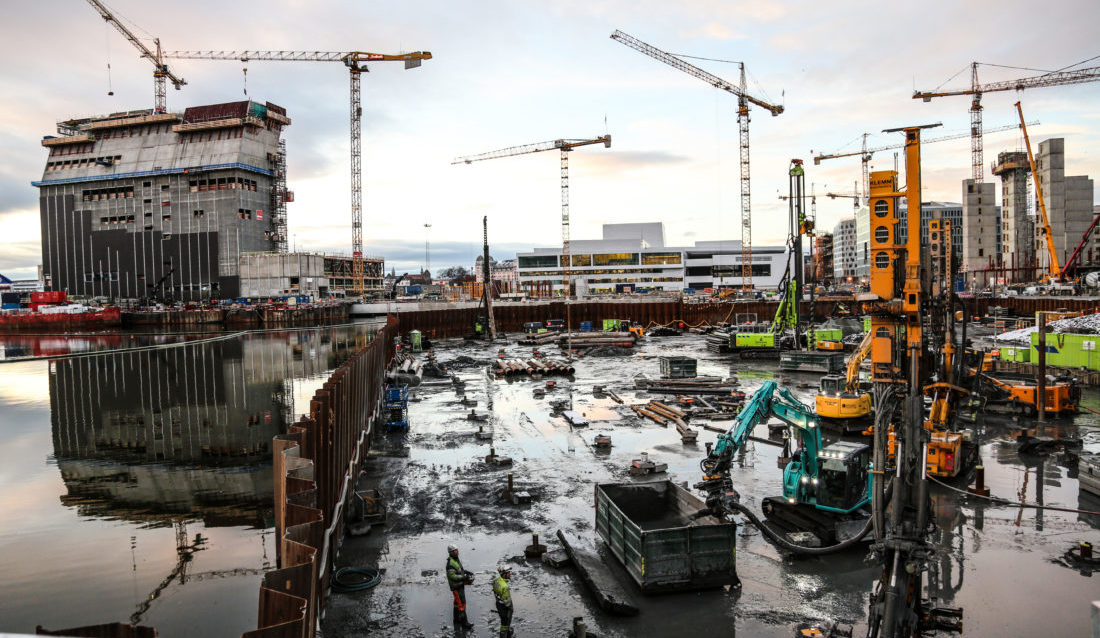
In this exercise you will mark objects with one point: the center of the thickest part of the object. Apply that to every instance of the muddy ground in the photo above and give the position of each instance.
(1004, 566)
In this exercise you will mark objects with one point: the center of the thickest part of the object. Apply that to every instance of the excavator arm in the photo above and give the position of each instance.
(757, 410)
(856, 360)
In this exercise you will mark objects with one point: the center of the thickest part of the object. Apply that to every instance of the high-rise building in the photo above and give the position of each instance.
(981, 227)
(863, 245)
(1069, 204)
(140, 203)
(1017, 222)
(844, 251)
(951, 212)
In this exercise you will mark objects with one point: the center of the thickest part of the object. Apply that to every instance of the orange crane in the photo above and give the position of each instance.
(160, 69)
(1053, 78)
(743, 101)
(1055, 268)
(866, 153)
(563, 145)
(355, 61)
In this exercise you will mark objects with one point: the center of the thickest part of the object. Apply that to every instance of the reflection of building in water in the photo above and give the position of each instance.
(182, 430)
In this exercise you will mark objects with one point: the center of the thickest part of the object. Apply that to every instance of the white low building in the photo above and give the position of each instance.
(633, 257)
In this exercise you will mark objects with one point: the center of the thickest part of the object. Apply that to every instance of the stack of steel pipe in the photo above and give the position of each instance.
(687, 435)
(531, 367)
(540, 338)
(586, 339)
(691, 386)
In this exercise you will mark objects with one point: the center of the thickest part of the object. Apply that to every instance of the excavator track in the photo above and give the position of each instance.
(785, 518)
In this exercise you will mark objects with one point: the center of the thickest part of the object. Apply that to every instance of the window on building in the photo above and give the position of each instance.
(660, 258)
(582, 260)
(200, 213)
(538, 261)
(615, 259)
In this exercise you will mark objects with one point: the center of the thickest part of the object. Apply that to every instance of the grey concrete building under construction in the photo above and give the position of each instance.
(139, 204)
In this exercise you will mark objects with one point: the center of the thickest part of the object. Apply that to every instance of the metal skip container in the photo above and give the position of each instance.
(654, 531)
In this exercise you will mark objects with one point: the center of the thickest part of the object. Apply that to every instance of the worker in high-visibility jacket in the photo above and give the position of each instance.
(457, 579)
(503, 595)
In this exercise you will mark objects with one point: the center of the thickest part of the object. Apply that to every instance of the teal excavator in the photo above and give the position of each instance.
(826, 488)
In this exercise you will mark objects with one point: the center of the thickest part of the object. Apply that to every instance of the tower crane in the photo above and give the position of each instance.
(855, 196)
(563, 145)
(355, 61)
(1053, 78)
(160, 70)
(866, 153)
(743, 101)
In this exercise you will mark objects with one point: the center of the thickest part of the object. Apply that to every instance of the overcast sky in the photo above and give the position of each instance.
(507, 73)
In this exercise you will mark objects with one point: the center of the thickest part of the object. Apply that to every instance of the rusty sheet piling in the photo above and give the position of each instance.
(316, 465)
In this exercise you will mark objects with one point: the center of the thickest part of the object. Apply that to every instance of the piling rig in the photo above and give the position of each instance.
(903, 367)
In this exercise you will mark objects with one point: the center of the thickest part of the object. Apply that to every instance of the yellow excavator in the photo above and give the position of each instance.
(840, 399)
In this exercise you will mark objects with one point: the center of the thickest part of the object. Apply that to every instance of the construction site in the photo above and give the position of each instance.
(888, 428)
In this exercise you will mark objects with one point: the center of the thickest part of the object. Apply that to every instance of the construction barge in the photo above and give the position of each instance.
(63, 320)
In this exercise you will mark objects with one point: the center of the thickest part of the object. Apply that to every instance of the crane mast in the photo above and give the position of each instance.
(355, 61)
(743, 101)
(977, 89)
(161, 73)
(564, 146)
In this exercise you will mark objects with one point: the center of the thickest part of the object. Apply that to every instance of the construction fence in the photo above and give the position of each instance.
(316, 465)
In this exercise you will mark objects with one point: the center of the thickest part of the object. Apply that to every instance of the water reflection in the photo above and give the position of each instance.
(165, 472)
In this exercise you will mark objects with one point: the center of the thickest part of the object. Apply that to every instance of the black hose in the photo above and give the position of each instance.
(350, 579)
(783, 543)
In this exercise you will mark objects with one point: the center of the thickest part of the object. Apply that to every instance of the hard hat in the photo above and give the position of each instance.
(503, 569)
(452, 549)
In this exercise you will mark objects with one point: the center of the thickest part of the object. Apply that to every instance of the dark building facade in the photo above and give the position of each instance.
(140, 204)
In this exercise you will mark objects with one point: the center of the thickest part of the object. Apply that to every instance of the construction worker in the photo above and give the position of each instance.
(457, 579)
(503, 595)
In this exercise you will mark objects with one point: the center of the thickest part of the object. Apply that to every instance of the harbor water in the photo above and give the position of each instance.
(137, 472)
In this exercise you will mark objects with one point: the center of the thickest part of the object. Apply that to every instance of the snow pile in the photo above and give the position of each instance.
(1086, 325)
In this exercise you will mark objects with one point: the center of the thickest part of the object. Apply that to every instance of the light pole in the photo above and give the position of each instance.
(427, 252)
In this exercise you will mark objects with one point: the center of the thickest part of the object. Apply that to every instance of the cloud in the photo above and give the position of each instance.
(715, 31)
(625, 161)
(507, 73)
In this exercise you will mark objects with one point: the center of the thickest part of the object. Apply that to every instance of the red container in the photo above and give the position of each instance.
(50, 296)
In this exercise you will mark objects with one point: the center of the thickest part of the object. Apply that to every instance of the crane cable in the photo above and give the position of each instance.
(996, 500)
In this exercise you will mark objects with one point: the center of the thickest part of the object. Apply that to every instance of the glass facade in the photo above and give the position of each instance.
(539, 261)
(650, 259)
(615, 259)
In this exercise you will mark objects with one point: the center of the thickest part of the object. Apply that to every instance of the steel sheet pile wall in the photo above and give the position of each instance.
(315, 466)
(511, 317)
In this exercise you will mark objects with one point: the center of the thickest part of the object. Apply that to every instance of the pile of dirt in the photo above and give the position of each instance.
(608, 351)
(462, 361)
(662, 331)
